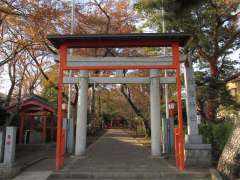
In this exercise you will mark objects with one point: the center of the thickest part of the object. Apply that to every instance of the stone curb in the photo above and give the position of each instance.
(35, 161)
(129, 175)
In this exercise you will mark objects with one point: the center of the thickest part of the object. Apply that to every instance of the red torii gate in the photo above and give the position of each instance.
(173, 40)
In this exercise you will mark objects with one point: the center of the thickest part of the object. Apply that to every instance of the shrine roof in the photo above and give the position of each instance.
(119, 40)
(33, 103)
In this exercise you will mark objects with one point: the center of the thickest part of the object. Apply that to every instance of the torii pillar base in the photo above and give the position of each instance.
(198, 155)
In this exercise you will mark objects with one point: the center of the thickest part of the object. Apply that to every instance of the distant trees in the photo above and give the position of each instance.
(24, 47)
(24, 26)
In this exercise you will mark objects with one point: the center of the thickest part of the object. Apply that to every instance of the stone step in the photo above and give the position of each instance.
(115, 170)
(130, 175)
(188, 178)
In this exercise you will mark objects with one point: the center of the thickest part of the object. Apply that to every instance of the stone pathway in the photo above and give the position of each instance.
(117, 155)
(33, 175)
(42, 168)
(37, 162)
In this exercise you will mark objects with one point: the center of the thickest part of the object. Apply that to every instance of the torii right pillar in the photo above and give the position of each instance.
(196, 153)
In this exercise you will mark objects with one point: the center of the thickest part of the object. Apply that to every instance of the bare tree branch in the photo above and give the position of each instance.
(106, 14)
(235, 76)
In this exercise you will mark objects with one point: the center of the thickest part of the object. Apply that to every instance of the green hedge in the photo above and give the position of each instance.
(216, 135)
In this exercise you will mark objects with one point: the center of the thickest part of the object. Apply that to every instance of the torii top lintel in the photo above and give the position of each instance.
(119, 40)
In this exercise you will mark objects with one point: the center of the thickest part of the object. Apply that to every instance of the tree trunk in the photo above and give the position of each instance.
(214, 69)
(9, 95)
(229, 162)
(137, 111)
(210, 108)
(12, 77)
(211, 103)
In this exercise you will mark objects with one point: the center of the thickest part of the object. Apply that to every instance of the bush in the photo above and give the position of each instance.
(216, 135)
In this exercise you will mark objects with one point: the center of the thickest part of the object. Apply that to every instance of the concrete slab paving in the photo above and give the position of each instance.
(33, 175)
(117, 155)
(42, 168)
(115, 150)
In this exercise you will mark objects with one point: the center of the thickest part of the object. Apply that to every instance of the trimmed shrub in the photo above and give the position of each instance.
(216, 135)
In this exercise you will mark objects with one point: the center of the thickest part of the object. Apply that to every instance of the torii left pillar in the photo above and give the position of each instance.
(81, 127)
(155, 112)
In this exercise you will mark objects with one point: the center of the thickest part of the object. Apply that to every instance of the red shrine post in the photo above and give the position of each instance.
(63, 42)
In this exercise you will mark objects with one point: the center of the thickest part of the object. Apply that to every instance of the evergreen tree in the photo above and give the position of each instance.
(216, 34)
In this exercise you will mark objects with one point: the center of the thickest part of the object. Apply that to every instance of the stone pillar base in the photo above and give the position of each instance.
(193, 139)
(198, 155)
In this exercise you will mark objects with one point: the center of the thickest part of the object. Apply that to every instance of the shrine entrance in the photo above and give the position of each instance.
(84, 64)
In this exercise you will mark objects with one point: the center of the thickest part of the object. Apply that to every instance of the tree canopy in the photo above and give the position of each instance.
(214, 26)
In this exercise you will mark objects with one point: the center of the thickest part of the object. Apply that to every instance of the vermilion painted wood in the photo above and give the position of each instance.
(62, 147)
(175, 50)
(176, 145)
(176, 57)
(32, 108)
(31, 103)
(63, 57)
